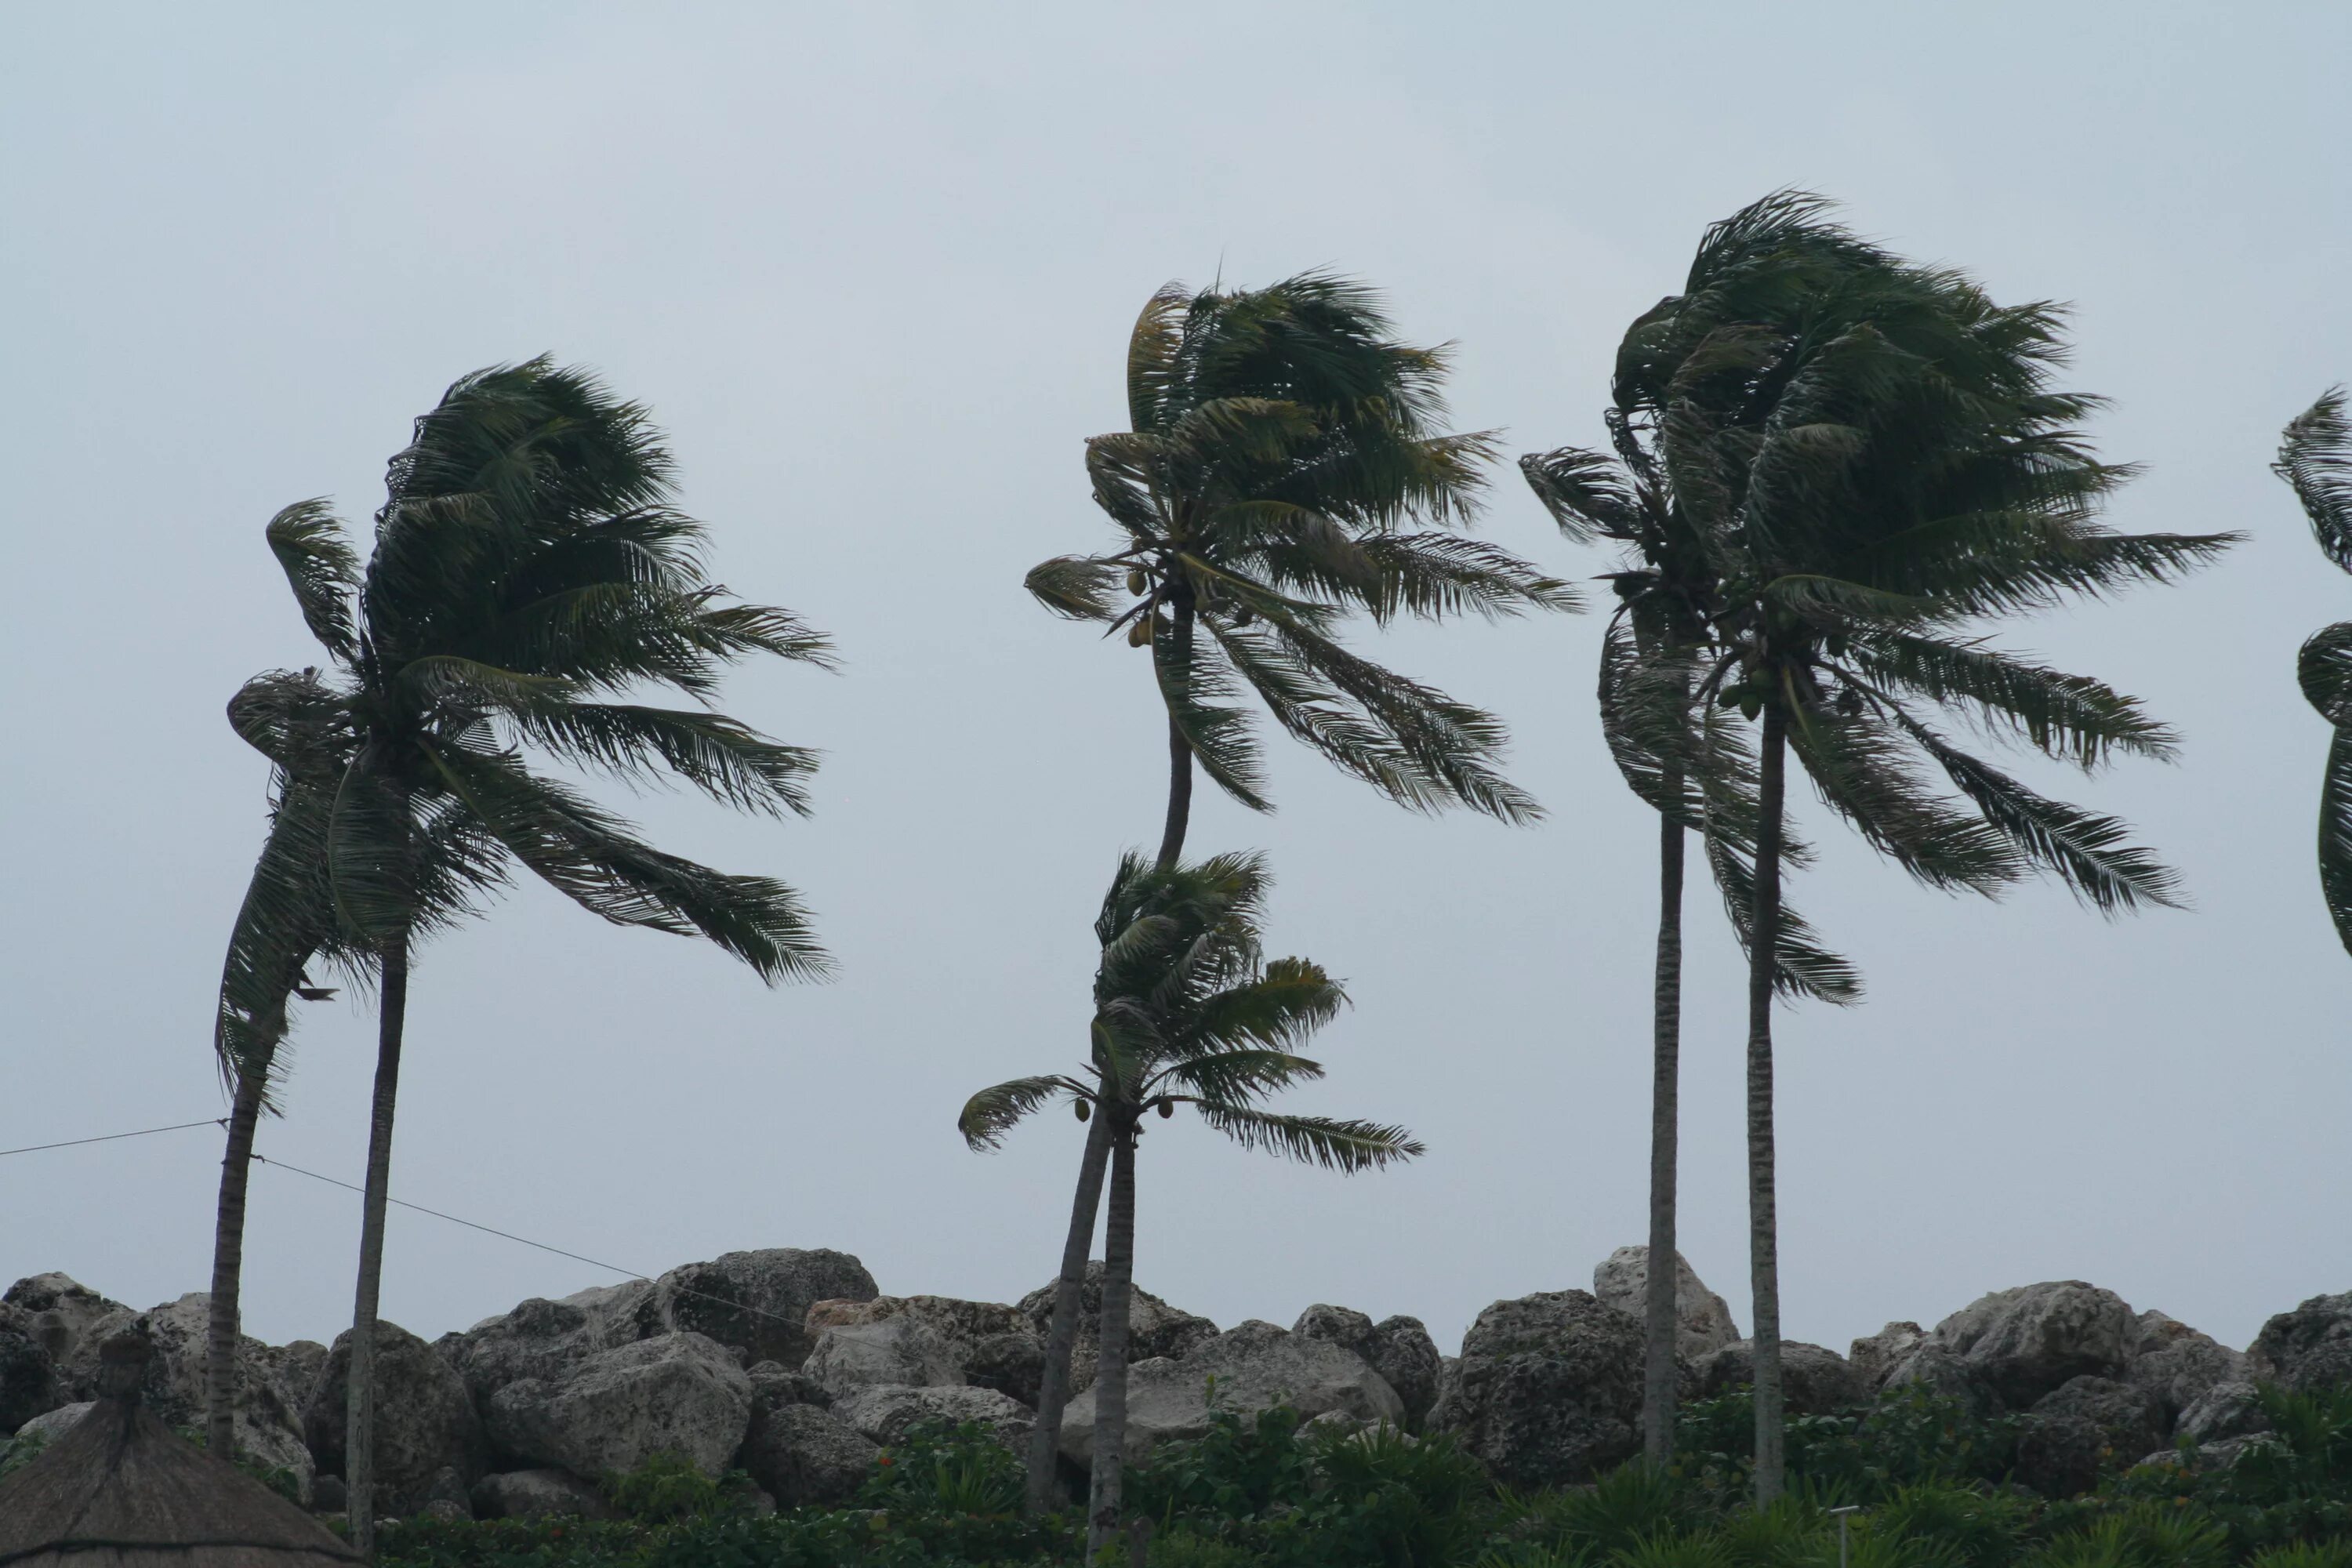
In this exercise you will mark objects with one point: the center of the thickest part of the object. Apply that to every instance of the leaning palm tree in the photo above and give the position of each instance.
(528, 570)
(1877, 463)
(1187, 1012)
(2316, 457)
(1286, 465)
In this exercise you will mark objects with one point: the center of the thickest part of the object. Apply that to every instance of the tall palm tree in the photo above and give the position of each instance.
(1692, 767)
(1187, 1012)
(1286, 465)
(2316, 457)
(1877, 463)
(528, 569)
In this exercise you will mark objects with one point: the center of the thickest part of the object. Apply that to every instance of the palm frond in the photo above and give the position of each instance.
(306, 538)
(1345, 1146)
(1075, 587)
(1588, 494)
(728, 761)
(1279, 1008)
(1151, 355)
(1433, 575)
(1238, 1077)
(1859, 767)
(2316, 457)
(1803, 966)
(2071, 717)
(1198, 693)
(992, 1112)
(2322, 668)
(2335, 836)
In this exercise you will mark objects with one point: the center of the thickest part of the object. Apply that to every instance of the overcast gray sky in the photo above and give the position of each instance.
(874, 267)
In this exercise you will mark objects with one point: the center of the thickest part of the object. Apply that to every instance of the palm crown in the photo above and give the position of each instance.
(2315, 458)
(528, 567)
(1188, 1011)
(1286, 465)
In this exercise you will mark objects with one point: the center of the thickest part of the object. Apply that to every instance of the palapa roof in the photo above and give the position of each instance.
(121, 1490)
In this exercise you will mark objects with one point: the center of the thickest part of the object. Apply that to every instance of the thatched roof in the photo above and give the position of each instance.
(121, 1490)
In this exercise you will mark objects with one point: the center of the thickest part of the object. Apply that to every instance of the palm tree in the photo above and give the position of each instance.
(1689, 766)
(1876, 463)
(2316, 457)
(528, 568)
(1187, 1012)
(1287, 464)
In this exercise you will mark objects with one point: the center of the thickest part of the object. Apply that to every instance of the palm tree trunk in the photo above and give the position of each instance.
(1763, 1216)
(1062, 1338)
(359, 1463)
(1180, 750)
(228, 1263)
(1665, 1092)
(1110, 1367)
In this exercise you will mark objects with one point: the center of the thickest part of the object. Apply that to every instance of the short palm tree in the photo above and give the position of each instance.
(1187, 1012)
(2316, 457)
(1877, 463)
(1286, 465)
(528, 568)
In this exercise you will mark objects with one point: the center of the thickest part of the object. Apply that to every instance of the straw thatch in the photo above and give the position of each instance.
(121, 1490)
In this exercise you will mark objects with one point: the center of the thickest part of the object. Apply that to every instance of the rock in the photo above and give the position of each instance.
(28, 1375)
(806, 1457)
(2029, 1341)
(1932, 1367)
(448, 1496)
(2087, 1425)
(1399, 1348)
(1874, 1357)
(2308, 1348)
(1549, 1391)
(897, 1350)
(680, 1393)
(777, 1386)
(883, 1413)
(52, 1425)
(1814, 1380)
(757, 1302)
(1256, 1365)
(1154, 1329)
(2178, 1365)
(992, 1346)
(2226, 1410)
(63, 1309)
(539, 1338)
(328, 1495)
(1702, 1319)
(424, 1422)
(529, 1494)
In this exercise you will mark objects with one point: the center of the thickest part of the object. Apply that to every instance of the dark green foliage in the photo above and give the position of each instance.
(669, 1487)
(1911, 1437)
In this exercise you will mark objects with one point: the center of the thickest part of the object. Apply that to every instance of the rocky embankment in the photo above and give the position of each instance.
(792, 1366)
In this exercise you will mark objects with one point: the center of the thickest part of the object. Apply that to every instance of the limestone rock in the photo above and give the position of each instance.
(804, 1457)
(1874, 1357)
(424, 1422)
(992, 1346)
(1815, 1381)
(28, 1375)
(539, 1339)
(2178, 1365)
(1256, 1365)
(1549, 1391)
(757, 1302)
(1399, 1348)
(2308, 1348)
(895, 1351)
(776, 1385)
(679, 1393)
(1154, 1328)
(1702, 1319)
(1932, 1366)
(2087, 1425)
(2029, 1341)
(63, 1309)
(2226, 1411)
(529, 1494)
(884, 1412)
(52, 1425)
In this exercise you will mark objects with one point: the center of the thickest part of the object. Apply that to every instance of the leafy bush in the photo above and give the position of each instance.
(669, 1485)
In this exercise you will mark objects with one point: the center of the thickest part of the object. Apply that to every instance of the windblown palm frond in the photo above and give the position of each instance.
(2315, 459)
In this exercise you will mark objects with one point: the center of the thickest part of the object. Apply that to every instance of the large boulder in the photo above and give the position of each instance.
(424, 1421)
(1256, 1365)
(2228, 1411)
(806, 1457)
(2087, 1425)
(534, 1494)
(1154, 1328)
(2178, 1366)
(1931, 1368)
(539, 1339)
(757, 1302)
(2027, 1342)
(28, 1375)
(896, 1351)
(52, 1425)
(1398, 1347)
(993, 1345)
(1702, 1319)
(2308, 1348)
(1814, 1380)
(884, 1412)
(63, 1309)
(1549, 1391)
(1874, 1356)
(678, 1393)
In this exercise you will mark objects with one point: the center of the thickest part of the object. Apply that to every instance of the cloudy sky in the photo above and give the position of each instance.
(873, 267)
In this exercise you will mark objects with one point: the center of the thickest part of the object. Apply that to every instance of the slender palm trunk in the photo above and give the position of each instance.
(228, 1263)
(1180, 750)
(1062, 1338)
(1665, 1094)
(1763, 1217)
(1104, 1498)
(359, 1462)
